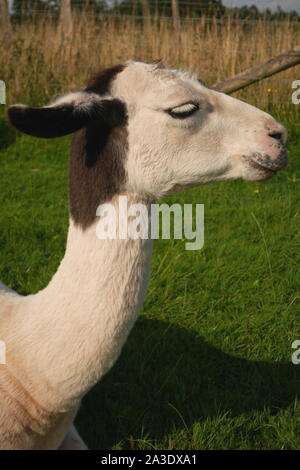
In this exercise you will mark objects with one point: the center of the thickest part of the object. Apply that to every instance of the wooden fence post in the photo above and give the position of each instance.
(175, 14)
(145, 8)
(65, 21)
(5, 25)
(267, 69)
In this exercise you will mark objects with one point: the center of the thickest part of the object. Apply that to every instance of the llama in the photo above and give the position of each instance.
(143, 131)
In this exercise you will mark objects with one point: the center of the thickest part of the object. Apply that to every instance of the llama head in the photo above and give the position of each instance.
(181, 133)
(150, 130)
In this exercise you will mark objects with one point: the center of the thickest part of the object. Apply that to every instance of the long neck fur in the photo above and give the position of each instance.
(63, 339)
(72, 332)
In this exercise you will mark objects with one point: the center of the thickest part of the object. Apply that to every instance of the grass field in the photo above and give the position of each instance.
(208, 364)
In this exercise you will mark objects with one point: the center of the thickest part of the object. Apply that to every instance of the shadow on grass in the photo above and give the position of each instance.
(7, 134)
(168, 377)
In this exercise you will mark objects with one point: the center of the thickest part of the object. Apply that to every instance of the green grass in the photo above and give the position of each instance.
(208, 364)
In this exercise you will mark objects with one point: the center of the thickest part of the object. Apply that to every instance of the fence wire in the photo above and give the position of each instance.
(193, 19)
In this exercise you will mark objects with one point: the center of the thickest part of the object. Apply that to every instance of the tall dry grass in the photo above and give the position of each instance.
(36, 63)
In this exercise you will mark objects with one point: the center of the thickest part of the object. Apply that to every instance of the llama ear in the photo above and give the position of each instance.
(67, 114)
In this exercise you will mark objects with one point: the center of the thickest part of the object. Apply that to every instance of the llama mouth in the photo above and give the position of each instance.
(265, 164)
(262, 169)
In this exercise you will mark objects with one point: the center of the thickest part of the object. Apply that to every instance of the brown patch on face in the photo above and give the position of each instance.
(91, 186)
(97, 157)
(100, 83)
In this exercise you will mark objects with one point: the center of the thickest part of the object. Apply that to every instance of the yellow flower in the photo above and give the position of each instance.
(269, 90)
(293, 179)
(256, 191)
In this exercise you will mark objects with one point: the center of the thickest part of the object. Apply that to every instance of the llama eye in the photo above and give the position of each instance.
(184, 111)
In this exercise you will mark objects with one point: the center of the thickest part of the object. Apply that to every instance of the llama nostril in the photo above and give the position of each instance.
(276, 135)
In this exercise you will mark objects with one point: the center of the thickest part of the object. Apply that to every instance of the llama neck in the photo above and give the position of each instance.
(88, 309)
